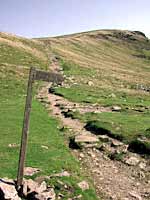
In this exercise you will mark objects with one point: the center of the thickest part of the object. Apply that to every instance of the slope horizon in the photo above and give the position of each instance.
(75, 33)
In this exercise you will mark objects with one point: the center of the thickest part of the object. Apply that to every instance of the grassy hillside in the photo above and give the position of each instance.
(111, 59)
(16, 56)
(108, 67)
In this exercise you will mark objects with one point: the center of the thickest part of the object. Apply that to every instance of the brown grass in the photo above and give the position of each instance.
(33, 51)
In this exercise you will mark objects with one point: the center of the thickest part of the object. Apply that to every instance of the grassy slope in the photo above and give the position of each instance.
(16, 56)
(117, 63)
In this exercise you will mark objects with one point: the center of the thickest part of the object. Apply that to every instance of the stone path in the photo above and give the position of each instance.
(113, 179)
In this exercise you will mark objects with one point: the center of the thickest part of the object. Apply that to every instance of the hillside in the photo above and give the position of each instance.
(47, 149)
(110, 68)
(117, 60)
(106, 91)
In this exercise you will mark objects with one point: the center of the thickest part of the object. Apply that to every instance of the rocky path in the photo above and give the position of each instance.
(128, 180)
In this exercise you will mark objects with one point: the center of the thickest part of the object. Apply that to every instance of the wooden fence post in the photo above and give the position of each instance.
(33, 75)
(26, 120)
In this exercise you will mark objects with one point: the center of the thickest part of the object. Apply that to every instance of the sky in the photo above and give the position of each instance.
(41, 18)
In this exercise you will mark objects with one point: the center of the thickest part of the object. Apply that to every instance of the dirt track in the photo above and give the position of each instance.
(112, 179)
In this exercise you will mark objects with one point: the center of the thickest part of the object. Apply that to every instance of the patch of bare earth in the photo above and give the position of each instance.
(114, 179)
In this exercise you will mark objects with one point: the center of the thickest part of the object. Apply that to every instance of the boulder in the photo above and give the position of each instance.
(133, 161)
(42, 187)
(116, 143)
(8, 190)
(86, 139)
(30, 186)
(30, 171)
(31, 190)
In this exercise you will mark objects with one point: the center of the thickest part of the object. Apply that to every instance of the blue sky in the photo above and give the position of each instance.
(37, 18)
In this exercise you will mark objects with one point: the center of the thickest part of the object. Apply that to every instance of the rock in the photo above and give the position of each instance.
(123, 149)
(46, 195)
(142, 165)
(116, 143)
(14, 145)
(25, 188)
(90, 83)
(30, 171)
(141, 175)
(42, 187)
(135, 195)
(82, 155)
(116, 108)
(83, 185)
(132, 161)
(92, 145)
(104, 138)
(8, 190)
(90, 153)
(62, 174)
(44, 147)
(65, 186)
(29, 186)
(107, 148)
(86, 139)
(60, 196)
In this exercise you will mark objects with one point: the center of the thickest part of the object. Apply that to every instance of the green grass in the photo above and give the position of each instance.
(73, 69)
(44, 130)
(126, 126)
(103, 97)
(11, 55)
(97, 93)
(115, 70)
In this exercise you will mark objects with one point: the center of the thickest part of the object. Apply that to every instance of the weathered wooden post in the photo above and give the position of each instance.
(25, 127)
(33, 75)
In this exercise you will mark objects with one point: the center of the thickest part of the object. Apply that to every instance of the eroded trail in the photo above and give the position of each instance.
(112, 179)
